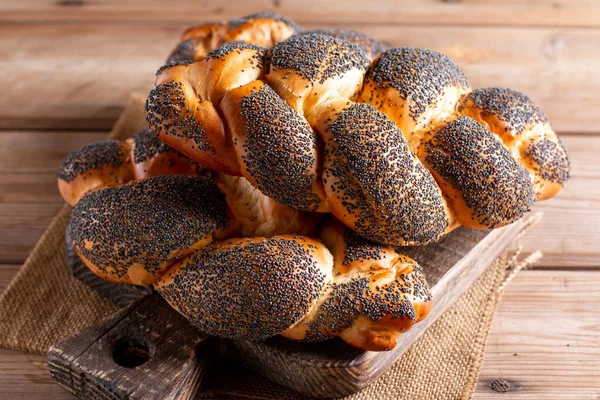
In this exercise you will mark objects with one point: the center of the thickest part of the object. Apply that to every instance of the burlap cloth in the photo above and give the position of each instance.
(44, 303)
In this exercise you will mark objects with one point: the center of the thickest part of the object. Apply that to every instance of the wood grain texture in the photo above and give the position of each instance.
(29, 197)
(145, 351)
(79, 76)
(572, 219)
(43, 69)
(545, 338)
(544, 369)
(438, 12)
(25, 377)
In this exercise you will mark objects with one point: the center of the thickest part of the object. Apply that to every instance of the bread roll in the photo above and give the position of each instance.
(525, 131)
(259, 215)
(486, 187)
(250, 288)
(113, 163)
(307, 70)
(370, 46)
(181, 109)
(133, 233)
(151, 157)
(384, 146)
(261, 29)
(416, 89)
(94, 166)
(277, 151)
(374, 183)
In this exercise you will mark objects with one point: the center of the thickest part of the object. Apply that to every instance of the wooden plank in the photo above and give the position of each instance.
(25, 376)
(545, 338)
(79, 76)
(29, 197)
(131, 356)
(474, 12)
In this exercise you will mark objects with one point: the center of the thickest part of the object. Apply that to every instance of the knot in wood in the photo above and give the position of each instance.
(500, 385)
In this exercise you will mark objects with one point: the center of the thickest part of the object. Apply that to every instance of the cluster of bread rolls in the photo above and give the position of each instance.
(257, 131)
(400, 149)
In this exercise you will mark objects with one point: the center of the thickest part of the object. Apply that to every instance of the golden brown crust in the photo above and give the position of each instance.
(525, 131)
(486, 187)
(256, 214)
(350, 251)
(306, 70)
(182, 107)
(376, 294)
(93, 167)
(133, 233)
(151, 157)
(374, 183)
(320, 76)
(202, 32)
(414, 88)
(262, 29)
(113, 163)
(395, 170)
(548, 162)
(369, 45)
(254, 288)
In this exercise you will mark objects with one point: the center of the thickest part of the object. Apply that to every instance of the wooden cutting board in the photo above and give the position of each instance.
(149, 351)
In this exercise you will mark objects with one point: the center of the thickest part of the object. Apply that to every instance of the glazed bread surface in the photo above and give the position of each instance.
(256, 129)
(111, 163)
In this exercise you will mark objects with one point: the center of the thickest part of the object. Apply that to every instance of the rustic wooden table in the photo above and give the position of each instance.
(68, 66)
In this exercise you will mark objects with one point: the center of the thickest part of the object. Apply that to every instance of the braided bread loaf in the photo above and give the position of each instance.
(172, 231)
(401, 150)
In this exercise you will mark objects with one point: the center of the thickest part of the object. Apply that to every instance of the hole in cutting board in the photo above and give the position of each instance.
(131, 352)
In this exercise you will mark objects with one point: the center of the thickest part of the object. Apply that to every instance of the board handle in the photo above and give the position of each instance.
(145, 351)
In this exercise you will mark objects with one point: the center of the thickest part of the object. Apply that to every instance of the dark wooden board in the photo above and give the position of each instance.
(83, 365)
(145, 351)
